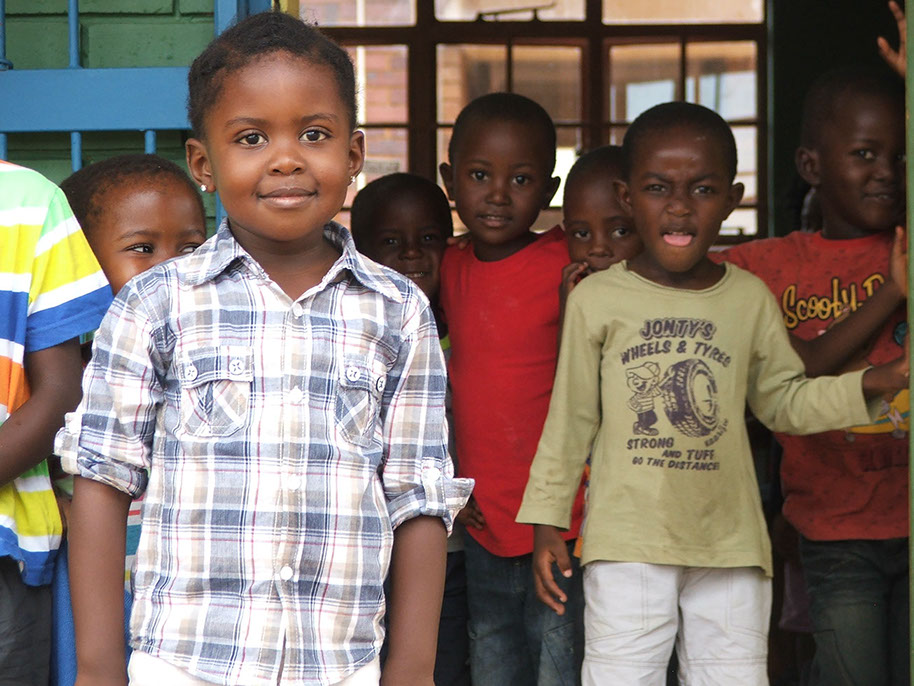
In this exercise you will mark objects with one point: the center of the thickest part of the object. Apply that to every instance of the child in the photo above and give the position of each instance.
(53, 292)
(598, 231)
(846, 491)
(599, 234)
(403, 221)
(287, 399)
(500, 299)
(675, 527)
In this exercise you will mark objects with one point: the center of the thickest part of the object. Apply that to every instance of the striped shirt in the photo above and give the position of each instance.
(285, 441)
(51, 290)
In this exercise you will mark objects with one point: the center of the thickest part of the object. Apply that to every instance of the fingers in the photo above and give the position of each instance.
(461, 241)
(547, 590)
(895, 9)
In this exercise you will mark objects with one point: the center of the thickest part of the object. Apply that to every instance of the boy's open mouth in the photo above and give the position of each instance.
(494, 221)
(678, 239)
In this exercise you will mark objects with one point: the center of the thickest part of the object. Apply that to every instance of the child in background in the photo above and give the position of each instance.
(403, 221)
(846, 491)
(279, 399)
(599, 233)
(500, 300)
(53, 292)
(675, 544)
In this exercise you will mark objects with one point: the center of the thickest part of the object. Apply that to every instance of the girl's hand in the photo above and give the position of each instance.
(898, 261)
(549, 548)
(471, 516)
(896, 59)
(571, 274)
(461, 241)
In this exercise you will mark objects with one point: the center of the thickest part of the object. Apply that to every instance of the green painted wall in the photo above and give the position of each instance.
(113, 33)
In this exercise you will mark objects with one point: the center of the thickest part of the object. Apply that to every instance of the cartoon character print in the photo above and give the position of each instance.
(644, 381)
(687, 390)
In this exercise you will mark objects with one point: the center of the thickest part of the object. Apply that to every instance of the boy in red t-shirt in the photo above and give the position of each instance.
(501, 302)
(846, 492)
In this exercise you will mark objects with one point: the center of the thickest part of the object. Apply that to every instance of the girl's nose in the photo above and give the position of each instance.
(287, 157)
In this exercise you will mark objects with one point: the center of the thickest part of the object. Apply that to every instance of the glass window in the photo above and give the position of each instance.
(722, 76)
(679, 12)
(509, 10)
(641, 76)
(551, 75)
(467, 71)
(381, 83)
(356, 12)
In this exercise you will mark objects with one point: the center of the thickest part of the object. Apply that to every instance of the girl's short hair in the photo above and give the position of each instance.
(259, 35)
(85, 188)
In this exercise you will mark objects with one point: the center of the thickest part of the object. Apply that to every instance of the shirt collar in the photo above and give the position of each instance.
(218, 253)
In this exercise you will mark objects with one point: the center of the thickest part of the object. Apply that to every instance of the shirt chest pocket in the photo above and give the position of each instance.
(358, 391)
(215, 390)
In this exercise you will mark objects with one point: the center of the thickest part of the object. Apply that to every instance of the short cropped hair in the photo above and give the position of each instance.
(509, 107)
(258, 35)
(389, 189)
(676, 115)
(821, 101)
(605, 159)
(85, 188)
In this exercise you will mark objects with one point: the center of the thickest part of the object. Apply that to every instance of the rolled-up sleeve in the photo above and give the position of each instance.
(108, 438)
(418, 474)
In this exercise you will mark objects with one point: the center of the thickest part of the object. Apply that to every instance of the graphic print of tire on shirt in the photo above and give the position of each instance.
(684, 393)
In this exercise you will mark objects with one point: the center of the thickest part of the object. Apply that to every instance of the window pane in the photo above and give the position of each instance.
(552, 77)
(747, 161)
(386, 152)
(616, 134)
(359, 13)
(509, 10)
(743, 220)
(381, 83)
(722, 76)
(678, 12)
(444, 137)
(568, 148)
(641, 76)
(467, 71)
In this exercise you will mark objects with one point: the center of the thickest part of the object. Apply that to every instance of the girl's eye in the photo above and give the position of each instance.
(251, 139)
(621, 232)
(313, 135)
(581, 234)
(143, 248)
(189, 248)
(478, 175)
(865, 154)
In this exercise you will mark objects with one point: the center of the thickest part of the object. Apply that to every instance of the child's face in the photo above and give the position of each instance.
(679, 192)
(499, 181)
(143, 224)
(410, 238)
(598, 231)
(279, 150)
(858, 167)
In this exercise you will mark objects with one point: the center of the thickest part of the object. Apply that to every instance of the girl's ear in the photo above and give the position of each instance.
(807, 161)
(623, 194)
(198, 163)
(356, 152)
(447, 176)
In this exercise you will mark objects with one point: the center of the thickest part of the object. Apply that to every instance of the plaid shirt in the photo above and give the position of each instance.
(284, 441)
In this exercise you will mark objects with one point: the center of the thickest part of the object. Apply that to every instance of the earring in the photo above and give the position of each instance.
(203, 188)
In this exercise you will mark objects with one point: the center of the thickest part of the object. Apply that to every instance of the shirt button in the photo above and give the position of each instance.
(431, 473)
(190, 372)
(294, 482)
(285, 573)
(295, 395)
(353, 374)
(297, 309)
(236, 366)
(380, 384)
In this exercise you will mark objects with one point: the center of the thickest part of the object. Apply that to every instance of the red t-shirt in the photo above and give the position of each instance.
(850, 484)
(503, 324)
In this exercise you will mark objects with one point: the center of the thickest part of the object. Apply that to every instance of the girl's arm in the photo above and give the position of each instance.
(416, 589)
(98, 523)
